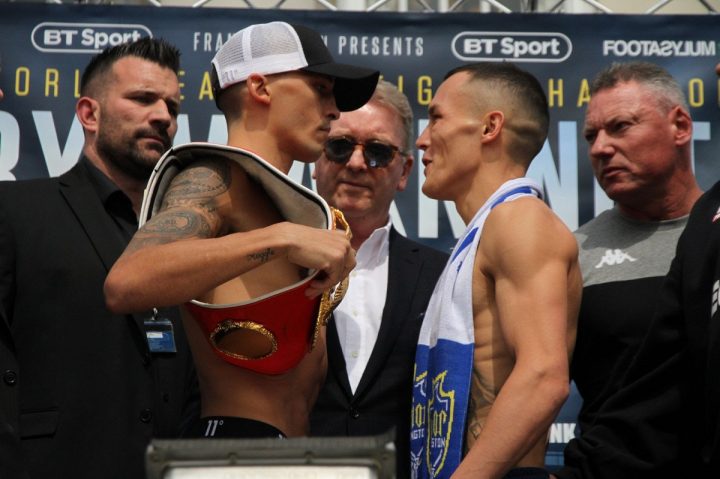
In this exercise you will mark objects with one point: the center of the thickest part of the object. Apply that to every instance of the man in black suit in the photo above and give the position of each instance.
(371, 341)
(10, 455)
(87, 388)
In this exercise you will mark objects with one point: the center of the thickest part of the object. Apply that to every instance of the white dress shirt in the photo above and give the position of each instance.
(359, 314)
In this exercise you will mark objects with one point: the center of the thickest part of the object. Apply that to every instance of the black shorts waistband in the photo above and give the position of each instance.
(527, 473)
(231, 427)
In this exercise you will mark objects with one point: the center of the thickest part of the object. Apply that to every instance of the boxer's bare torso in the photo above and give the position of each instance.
(497, 304)
(283, 400)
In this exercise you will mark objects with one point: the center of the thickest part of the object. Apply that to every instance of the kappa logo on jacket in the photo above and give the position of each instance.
(613, 257)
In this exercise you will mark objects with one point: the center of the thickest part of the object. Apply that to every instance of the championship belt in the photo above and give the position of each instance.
(283, 325)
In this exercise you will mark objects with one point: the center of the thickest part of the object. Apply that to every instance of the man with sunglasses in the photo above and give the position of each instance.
(371, 341)
(491, 369)
(245, 250)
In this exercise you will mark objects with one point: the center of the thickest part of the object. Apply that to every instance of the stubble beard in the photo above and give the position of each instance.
(126, 156)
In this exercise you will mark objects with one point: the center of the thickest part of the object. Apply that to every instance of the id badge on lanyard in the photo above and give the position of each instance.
(160, 334)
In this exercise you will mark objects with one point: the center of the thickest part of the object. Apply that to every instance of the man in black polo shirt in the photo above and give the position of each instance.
(89, 388)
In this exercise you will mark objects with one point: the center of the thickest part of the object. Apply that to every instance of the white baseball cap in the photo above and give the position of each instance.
(279, 47)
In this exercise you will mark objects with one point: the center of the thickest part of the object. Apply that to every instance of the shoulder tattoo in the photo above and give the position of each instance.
(199, 183)
(189, 208)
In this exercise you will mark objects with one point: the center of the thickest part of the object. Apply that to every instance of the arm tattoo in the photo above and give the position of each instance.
(262, 256)
(172, 225)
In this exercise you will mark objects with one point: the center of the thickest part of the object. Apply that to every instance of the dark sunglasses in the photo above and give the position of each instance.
(376, 153)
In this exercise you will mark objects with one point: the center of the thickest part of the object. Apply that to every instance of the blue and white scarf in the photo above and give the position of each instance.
(444, 357)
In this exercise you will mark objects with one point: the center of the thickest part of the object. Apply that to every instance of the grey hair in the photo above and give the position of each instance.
(668, 91)
(389, 95)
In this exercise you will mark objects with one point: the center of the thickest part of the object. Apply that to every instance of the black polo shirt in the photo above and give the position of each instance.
(116, 203)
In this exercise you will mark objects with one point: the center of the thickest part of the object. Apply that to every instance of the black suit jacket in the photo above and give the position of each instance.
(79, 382)
(384, 395)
